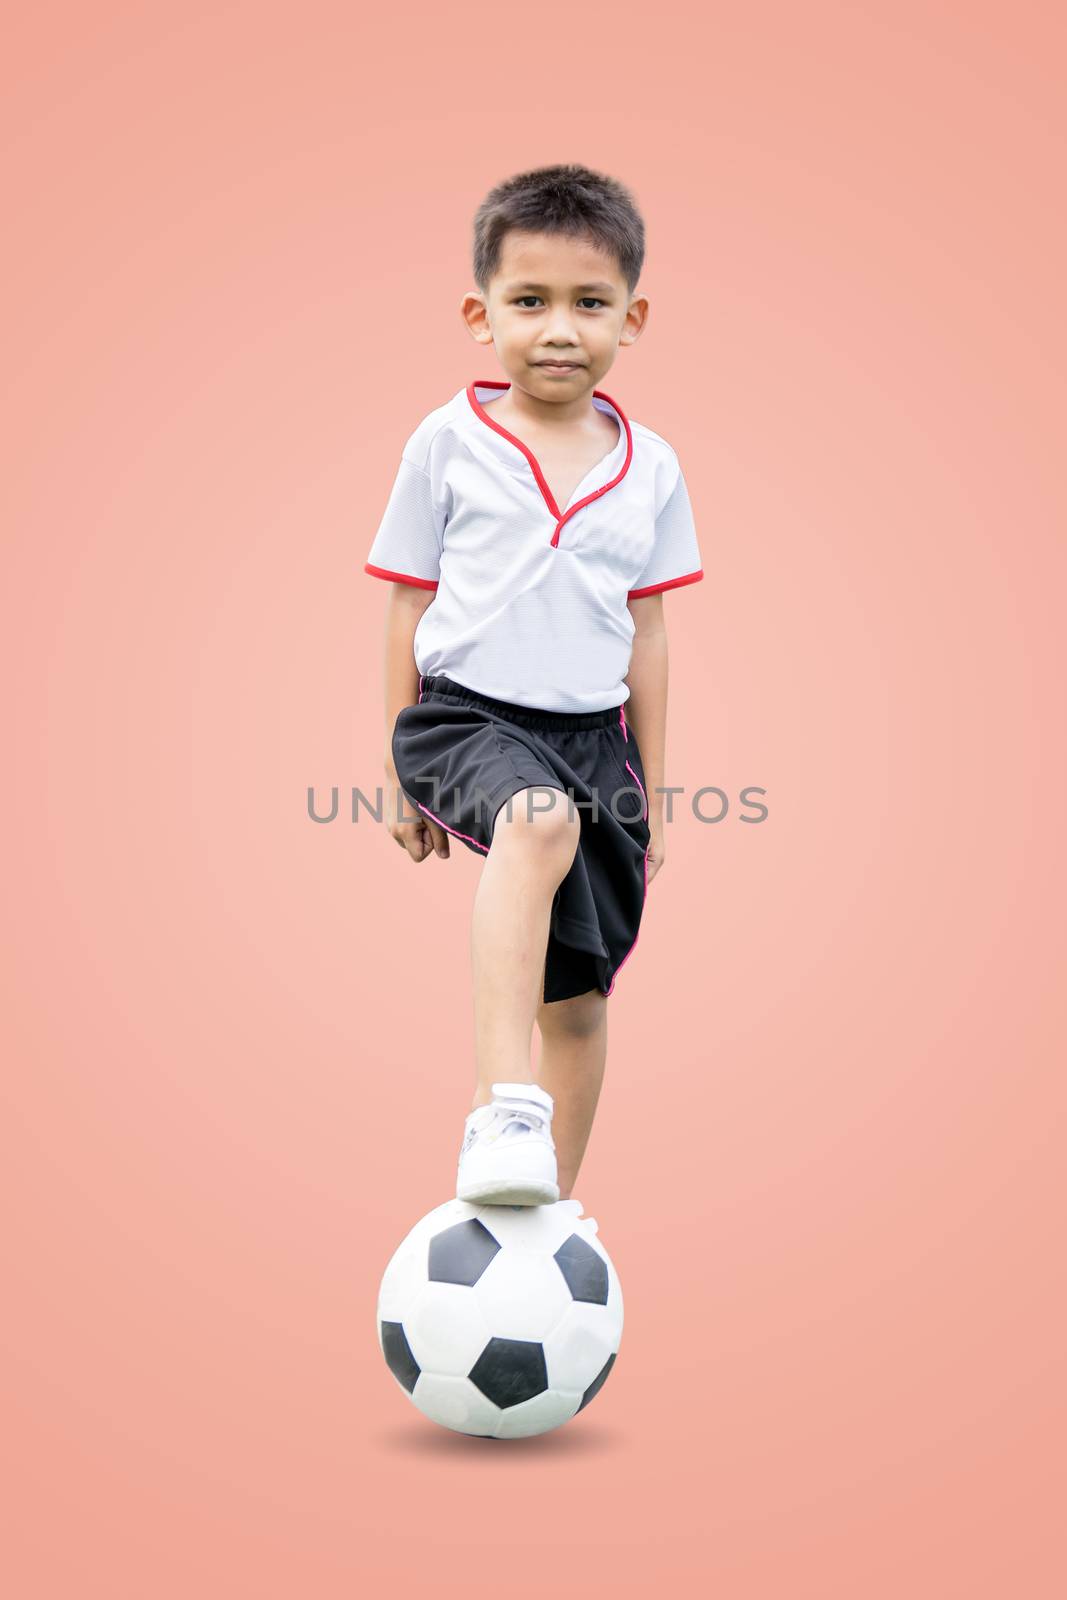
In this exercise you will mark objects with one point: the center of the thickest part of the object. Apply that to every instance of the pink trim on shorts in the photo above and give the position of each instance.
(477, 844)
(610, 989)
(641, 786)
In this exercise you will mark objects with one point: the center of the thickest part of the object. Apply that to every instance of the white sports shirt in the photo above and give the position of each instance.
(530, 603)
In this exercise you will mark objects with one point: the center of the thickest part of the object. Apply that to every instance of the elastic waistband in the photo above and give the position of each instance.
(528, 716)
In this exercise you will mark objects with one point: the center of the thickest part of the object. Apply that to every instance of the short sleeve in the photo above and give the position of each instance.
(675, 557)
(407, 545)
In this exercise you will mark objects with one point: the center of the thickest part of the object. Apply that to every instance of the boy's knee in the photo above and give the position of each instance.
(579, 1016)
(543, 814)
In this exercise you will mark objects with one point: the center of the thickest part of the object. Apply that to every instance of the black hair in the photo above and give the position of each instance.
(567, 199)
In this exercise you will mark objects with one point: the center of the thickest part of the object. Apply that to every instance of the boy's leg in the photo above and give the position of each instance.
(574, 1044)
(533, 845)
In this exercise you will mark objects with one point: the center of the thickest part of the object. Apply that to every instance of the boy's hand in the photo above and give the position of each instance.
(418, 835)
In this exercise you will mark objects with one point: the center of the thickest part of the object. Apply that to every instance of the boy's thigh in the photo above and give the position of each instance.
(464, 769)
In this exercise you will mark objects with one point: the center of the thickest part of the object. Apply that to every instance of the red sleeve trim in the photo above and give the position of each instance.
(671, 583)
(400, 577)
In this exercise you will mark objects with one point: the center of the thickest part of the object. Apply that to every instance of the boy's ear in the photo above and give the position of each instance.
(475, 313)
(634, 322)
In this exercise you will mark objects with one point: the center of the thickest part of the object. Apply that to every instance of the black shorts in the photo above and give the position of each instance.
(460, 756)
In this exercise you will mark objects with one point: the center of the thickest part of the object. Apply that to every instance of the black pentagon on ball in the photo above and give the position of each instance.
(597, 1383)
(460, 1254)
(398, 1356)
(509, 1371)
(585, 1271)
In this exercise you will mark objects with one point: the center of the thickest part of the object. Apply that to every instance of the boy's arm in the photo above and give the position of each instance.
(419, 835)
(404, 607)
(646, 709)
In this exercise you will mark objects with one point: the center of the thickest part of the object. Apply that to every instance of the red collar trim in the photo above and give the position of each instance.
(549, 498)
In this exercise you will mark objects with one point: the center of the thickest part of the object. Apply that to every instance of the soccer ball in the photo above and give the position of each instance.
(502, 1321)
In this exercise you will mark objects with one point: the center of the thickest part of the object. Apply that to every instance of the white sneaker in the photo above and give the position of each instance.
(508, 1156)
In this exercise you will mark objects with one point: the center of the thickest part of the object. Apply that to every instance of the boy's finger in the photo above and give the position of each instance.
(440, 840)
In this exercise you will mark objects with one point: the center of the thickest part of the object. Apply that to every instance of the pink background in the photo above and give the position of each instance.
(829, 1158)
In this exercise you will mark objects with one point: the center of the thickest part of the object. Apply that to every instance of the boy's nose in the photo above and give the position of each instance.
(561, 327)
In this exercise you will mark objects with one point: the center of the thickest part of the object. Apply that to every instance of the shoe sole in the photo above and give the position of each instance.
(510, 1192)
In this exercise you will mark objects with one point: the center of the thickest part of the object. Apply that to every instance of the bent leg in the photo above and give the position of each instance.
(533, 845)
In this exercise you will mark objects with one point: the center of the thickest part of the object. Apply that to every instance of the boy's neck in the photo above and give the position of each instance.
(516, 409)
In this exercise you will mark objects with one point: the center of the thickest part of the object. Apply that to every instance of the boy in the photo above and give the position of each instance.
(528, 540)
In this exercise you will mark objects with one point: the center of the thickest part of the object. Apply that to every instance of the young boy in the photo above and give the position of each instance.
(530, 535)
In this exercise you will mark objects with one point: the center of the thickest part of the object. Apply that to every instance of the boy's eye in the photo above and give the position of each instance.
(587, 299)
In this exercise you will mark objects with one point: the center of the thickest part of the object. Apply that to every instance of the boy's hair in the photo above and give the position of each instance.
(568, 199)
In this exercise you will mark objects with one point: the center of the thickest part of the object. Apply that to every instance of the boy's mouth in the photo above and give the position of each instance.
(559, 366)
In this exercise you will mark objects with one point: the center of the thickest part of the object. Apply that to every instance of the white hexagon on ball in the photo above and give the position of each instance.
(445, 1329)
(522, 1294)
(455, 1403)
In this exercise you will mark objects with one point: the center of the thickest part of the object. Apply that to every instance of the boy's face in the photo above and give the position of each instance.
(555, 298)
